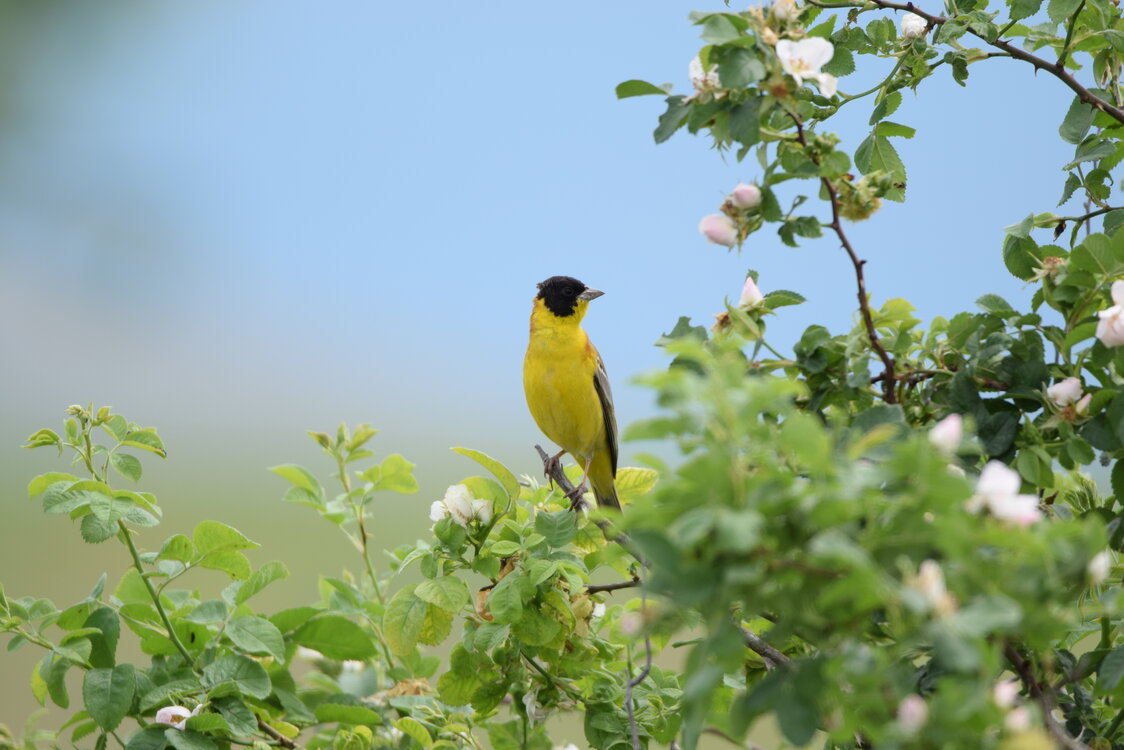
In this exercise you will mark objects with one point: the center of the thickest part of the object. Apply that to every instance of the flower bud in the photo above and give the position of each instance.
(1004, 693)
(785, 10)
(946, 434)
(751, 296)
(746, 196)
(1082, 406)
(173, 716)
(1110, 327)
(1099, 567)
(703, 80)
(913, 712)
(1065, 393)
(719, 230)
(913, 26)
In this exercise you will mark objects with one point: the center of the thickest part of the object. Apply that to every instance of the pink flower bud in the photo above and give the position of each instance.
(719, 230)
(1110, 327)
(1065, 393)
(1004, 693)
(913, 712)
(173, 716)
(1083, 404)
(751, 295)
(746, 196)
(946, 433)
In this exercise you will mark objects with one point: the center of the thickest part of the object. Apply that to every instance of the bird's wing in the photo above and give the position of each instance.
(605, 396)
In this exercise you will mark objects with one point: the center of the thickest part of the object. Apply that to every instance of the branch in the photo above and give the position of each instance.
(889, 378)
(629, 705)
(1056, 69)
(596, 588)
(281, 739)
(1045, 699)
(771, 656)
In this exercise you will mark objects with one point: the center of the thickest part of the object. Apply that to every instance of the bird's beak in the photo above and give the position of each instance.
(589, 294)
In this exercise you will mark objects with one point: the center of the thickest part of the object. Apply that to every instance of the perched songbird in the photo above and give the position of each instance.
(567, 387)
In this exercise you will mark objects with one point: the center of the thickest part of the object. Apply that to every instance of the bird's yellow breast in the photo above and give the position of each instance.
(558, 381)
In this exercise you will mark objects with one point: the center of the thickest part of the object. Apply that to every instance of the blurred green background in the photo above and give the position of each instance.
(238, 221)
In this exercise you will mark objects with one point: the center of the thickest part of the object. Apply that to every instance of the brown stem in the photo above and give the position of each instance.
(772, 657)
(596, 588)
(888, 381)
(280, 738)
(1045, 698)
(1056, 69)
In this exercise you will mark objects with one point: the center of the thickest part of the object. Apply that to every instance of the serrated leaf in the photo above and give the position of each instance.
(1078, 120)
(1060, 10)
(146, 439)
(256, 635)
(505, 602)
(886, 107)
(336, 637)
(436, 626)
(448, 593)
(243, 673)
(402, 623)
(186, 739)
(108, 693)
(672, 119)
(558, 527)
(782, 298)
(876, 154)
(1111, 669)
(396, 474)
(299, 477)
(262, 577)
(894, 130)
(39, 484)
(126, 465)
(212, 535)
(149, 738)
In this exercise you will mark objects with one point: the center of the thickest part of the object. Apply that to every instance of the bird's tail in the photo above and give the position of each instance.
(601, 478)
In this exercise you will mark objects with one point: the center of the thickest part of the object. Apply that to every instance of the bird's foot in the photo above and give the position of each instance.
(552, 465)
(577, 497)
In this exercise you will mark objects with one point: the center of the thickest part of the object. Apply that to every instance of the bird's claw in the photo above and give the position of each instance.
(577, 498)
(551, 466)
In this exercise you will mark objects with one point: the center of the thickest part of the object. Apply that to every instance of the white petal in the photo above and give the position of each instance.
(997, 480)
(751, 295)
(1020, 509)
(827, 83)
(815, 51)
(482, 509)
(946, 433)
(1066, 392)
(1118, 292)
(786, 51)
(173, 716)
(437, 511)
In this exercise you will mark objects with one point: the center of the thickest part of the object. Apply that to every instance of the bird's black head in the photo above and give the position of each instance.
(561, 294)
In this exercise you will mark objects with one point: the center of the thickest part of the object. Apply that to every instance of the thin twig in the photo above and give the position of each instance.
(772, 657)
(274, 734)
(596, 588)
(555, 472)
(1056, 69)
(888, 381)
(1045, 699)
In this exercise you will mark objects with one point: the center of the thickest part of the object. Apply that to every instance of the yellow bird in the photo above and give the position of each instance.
(567, 388)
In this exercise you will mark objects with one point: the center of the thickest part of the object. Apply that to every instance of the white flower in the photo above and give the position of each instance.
(913, 712)
(751, 296)
(913, 26)
(1110, 327)
(998, 491)
(461, 506)
(719, 230)
(946, 433)
(1017, 719)
(631, 623)
(571, 746)
(804, 59)
(173, 716)
(1065, 393)
(599, 609)
(746, 196)
(785, 10)
(1099, 567)
(930, 584)
(1004, 693)
(703, 80)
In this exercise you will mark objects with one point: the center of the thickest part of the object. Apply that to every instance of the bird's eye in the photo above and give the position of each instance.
(568, 291)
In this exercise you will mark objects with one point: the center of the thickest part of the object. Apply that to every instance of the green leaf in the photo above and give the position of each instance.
(237, 714)
(894, 130)
(886, 107)
(39, 484)
(436, 626)
(1060, 10)
(42, 438)
(1091, 150)
(336, 637)
(415, 730)
(876, 154)
(1117, 479)
(1023, 8)
(103, 647)
(149, 738)
(738, 67)
(536, 628)
(186, 739)
(108, 693)
(638, 88)
(146, 439)
(1111, 670)
(207, 723)
(299, 477)
(506, 600)
(448, 593)
(783, 298)
(229, 561)
(212, 535)
(744, 125)
(558, 527)
(719, 29)
(335, 712)
(672, 119)
(126, 465)
(1078, 120)
(403, 621)
(396, 474)
(993, 303)
(842, 62)
(177, 547)
(243, 673)
(262, 577)
(497, 469)
(256, 635)
(504, 548)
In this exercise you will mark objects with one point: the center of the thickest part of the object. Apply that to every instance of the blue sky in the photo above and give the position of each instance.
(240, 221)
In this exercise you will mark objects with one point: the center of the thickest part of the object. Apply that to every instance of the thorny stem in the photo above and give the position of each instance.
(175, 639)
(772, 657)
(630, 706)
(567, 689)
(596, 588)
(274, 734)
(888, 379)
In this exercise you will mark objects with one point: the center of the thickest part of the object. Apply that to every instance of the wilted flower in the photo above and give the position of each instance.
(1065, 393)
(913, 712)
(804, 59)
(769, 36)
(1049, 268)
(946, 433)
(998, 491)
(751, 296)
(785, 10)
(599, 609)
(1110, 327)
(1004, 693)
(703, 80)
(461, 506)
(1099, 567)
(913, 26)
(746, 196)
(930, 584)
(719, 230)
(174, 716)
